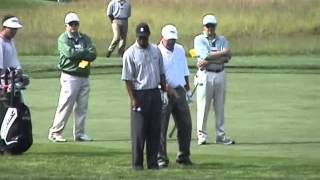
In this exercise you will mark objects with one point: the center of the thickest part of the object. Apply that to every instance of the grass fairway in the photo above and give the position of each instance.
(272, 111)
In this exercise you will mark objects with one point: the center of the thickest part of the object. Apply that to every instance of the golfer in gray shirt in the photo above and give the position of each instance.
(143, 72)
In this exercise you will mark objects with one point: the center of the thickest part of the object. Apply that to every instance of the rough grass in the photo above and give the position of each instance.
(252, 26)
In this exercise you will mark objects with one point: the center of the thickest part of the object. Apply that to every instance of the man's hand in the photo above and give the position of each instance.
(134, 105)
(189, 96)
(111, 18)
(172, 92)
(202, 64)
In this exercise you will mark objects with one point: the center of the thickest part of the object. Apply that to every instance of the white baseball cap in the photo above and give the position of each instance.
(209, 19)
(70, 17)
(12, 22)
(169, 32)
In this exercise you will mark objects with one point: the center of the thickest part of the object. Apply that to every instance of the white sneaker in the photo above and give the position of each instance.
(83, 137)
(56, 138)
(202, 137)
(202, 141)
(225, 140)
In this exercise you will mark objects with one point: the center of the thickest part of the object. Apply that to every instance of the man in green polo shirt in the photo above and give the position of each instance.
(76, 54)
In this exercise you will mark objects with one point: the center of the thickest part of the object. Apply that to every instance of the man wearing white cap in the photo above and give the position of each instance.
(177, 83)
(212, 53)
(8, 52)
(76, 54)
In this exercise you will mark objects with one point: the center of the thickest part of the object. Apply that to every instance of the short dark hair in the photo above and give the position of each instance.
(6, 17)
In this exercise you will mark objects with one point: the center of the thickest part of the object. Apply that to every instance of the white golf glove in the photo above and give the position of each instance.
(164, 98)
(189, 96)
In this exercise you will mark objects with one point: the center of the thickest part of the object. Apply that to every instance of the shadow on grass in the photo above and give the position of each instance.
(221, 166)
(80, 153)
(112, 140)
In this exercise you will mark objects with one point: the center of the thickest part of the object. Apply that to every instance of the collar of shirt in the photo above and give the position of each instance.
(78, 35)
(166, 53)
(5, 39)
(138, 46)
(211, 39)
(121, 1)
(164, 49)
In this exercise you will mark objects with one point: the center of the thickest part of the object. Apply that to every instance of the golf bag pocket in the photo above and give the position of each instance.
(16, 129)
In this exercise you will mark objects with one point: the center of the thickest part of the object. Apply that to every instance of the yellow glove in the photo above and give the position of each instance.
(83, 64)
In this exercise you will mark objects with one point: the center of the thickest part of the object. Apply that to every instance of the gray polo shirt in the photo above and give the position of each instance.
(203, 45)
(142, 66)
(119, 9)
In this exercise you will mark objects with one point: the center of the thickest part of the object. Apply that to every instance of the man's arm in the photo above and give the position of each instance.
(110, 11)
(69, 51)
(187, 86)
(219, 57)
(163, 82)
(111, 17)
(134, 103)
(92, 54)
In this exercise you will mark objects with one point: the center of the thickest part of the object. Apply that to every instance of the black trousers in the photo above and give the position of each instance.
(179, 108)
(145, 128)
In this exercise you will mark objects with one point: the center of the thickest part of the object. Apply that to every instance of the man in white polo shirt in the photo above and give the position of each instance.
(177, 83)
(8, 52)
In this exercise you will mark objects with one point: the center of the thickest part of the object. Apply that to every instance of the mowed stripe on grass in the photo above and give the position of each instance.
(272, 116)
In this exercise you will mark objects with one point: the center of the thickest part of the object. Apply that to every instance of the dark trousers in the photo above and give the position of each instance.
(179, 108)
(145, 128)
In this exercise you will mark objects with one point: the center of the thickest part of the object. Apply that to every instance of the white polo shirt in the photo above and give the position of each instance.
(175, 65)
(8, 54)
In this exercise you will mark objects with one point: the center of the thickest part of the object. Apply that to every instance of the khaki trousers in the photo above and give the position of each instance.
(211, 88)
(74, 96)
(120, 30)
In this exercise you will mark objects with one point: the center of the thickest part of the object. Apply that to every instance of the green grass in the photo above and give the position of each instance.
(252, 27)
(272, 110)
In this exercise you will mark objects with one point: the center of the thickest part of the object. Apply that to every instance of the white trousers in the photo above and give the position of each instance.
(211, 88)
(74, 96)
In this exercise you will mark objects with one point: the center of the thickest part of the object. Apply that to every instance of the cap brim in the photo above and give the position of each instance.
(142, 35)
(172, 36)
(13, 25)
(67, 22)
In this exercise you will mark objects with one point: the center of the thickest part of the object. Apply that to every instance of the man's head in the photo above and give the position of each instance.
(169, 36)
(142, 34)
(209, 23)
(10, 26)
(72, 22)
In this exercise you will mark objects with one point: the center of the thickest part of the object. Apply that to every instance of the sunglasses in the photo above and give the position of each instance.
(74, 23)
(210, 25)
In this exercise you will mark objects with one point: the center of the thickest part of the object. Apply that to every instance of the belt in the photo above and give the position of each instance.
(120, 18)
(178, 87)
(215, 70)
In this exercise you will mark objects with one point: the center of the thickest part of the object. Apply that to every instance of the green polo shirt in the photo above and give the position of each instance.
(74, 52)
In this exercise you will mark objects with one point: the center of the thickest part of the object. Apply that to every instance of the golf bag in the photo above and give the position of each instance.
(15, 120)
